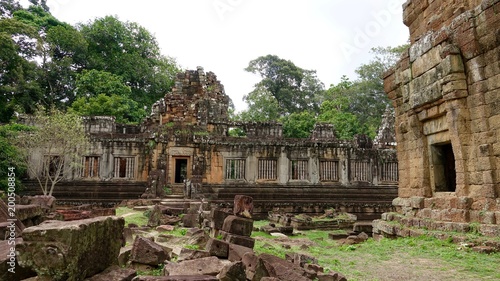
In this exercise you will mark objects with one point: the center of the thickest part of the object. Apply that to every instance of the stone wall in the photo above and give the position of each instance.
(446, 92)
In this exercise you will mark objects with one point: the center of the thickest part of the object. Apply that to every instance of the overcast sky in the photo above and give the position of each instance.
(333, 37)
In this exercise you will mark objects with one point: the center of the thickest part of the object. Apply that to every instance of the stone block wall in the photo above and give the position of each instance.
(446, 92)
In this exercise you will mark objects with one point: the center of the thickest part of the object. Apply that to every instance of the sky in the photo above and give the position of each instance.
(333, 37)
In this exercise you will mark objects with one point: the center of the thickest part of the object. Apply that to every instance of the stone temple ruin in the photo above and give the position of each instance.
(446, 91)
(184, 148)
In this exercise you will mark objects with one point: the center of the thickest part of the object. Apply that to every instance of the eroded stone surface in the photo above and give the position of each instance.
(71, 250)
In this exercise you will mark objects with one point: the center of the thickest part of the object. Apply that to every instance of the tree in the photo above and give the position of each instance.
(298, 124)
(91, 83)
(128, 50)
(19, 73)
(53, 150)
(334, 112)
(368, 100)
(10, 156)
(124, 109)
(293, 88)
(262, 106)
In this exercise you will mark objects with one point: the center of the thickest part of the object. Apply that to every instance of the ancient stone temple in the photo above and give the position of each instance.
(185, 147)
(446, 92)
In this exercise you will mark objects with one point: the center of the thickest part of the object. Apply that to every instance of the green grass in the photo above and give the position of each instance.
(131, 216)
(424, 256)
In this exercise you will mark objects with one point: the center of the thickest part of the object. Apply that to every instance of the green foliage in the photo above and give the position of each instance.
(10, 156)
(262, 106)
(128, 50)
(91, 83)
(124, 109)
(293, 88)
(298, 125)
(236, 132)
(346, 124)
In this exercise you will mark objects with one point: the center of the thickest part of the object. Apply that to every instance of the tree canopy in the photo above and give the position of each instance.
(295, 97)
(44, 61)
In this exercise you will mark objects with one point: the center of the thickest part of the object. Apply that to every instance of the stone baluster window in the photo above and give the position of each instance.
(299, 169)
(267, 169)
(235, 169)
(360, 170)
(329, 170)
(90, 167)
(389, 171)
(124, 167)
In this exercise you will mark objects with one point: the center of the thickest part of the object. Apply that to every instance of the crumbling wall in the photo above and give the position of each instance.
(446, 93)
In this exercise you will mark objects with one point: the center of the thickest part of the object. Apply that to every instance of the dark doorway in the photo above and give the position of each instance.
(180, 170)
(444, 168)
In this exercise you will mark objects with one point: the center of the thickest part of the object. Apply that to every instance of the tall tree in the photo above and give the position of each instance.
(19, 73)
(128, 50)
(54, 149)
(293, 88)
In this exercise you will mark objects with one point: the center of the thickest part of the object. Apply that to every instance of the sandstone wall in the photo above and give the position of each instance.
(446, 91)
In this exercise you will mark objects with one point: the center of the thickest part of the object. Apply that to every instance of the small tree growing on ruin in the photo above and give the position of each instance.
(53, 150)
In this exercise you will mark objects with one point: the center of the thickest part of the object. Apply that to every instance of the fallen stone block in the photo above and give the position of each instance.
(9, 267)
(124, 255)
(71, 250)
(145, 251)
(218, 216)
(114, 273)
(238, 226)
(233, 272)
(236, 252)
(238, 239)
(176, 278)
(331, 276)
(204, 266)
(250, 260)
(272, 266)
(218, 248)
(300, 259)
(191, 220)
(188, 254)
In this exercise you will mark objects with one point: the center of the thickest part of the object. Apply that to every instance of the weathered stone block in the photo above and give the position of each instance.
(237, 225)
(218, 217)
(272, 266)
(236, 252)
(145, 251)
(188, 254)
(233, 272)
(204, 266)
(9, 262)
(72, 250)
(218, 248)
(238, 239)
(114, 273)
(177, 278)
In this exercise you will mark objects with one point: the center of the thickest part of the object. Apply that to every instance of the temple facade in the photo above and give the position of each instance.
(185, 147)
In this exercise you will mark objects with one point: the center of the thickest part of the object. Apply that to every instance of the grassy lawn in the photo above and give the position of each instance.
(420, 258)
(413, 258)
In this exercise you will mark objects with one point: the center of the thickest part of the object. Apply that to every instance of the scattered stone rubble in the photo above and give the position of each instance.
(93, 249)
